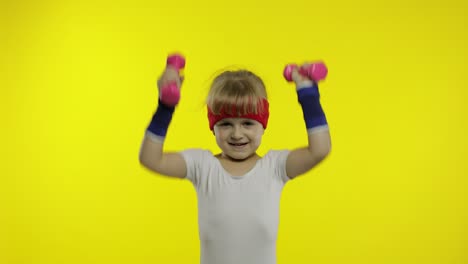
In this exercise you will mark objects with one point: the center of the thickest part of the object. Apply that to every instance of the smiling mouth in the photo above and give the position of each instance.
(237, 144)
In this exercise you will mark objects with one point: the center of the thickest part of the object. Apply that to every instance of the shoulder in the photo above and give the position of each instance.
(275, 155)
(197, 161)
(196, 154)
(276, 160)
(196, 151)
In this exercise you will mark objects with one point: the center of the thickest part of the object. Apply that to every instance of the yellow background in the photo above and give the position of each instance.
(78, 88)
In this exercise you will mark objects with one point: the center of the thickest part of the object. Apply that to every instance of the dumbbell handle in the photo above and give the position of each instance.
(315, 71)
(170, 93)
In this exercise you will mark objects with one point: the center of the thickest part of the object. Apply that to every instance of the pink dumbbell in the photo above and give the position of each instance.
(315, 71)
(170, 93)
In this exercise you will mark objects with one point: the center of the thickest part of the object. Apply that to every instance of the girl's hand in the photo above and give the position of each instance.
(170, 75)
(301, 80)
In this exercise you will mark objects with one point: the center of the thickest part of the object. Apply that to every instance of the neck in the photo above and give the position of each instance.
(254, 156)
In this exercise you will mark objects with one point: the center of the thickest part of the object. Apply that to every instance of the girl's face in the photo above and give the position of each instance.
(238, 138)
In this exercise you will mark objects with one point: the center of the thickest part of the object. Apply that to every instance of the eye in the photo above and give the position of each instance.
(248, 123)
(224, 124)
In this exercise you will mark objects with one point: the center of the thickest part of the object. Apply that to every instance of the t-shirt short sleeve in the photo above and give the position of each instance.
(194, 159)
(278, 160)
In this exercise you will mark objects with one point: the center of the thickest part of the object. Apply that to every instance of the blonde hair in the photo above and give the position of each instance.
(240, 89)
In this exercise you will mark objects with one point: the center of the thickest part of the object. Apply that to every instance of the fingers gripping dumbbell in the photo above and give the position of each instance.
(314, 71)
(170, 93)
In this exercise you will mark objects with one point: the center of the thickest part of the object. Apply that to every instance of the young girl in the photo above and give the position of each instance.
(238, 191)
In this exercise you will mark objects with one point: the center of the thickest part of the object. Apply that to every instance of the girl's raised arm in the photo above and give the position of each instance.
(151, 152)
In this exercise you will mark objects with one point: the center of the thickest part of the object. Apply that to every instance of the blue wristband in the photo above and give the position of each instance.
(309, 98)
(161, 120)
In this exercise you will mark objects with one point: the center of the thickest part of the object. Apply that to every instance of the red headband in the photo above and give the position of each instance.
(261, 117)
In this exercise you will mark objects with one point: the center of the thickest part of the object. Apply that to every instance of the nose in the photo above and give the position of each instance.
(237, 133)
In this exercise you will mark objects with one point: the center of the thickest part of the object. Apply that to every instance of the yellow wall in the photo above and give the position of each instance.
(78, 90)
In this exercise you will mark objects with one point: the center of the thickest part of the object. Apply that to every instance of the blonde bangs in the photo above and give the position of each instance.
(232, 91)
(243, 105)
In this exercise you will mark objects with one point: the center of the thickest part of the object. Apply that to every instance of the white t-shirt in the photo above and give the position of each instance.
(238, 216)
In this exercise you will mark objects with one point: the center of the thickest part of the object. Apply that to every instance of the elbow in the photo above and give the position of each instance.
(149, 163)
(141, 158)
(326, 152)
(146, 164)
(142, 161)
(322, 154)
